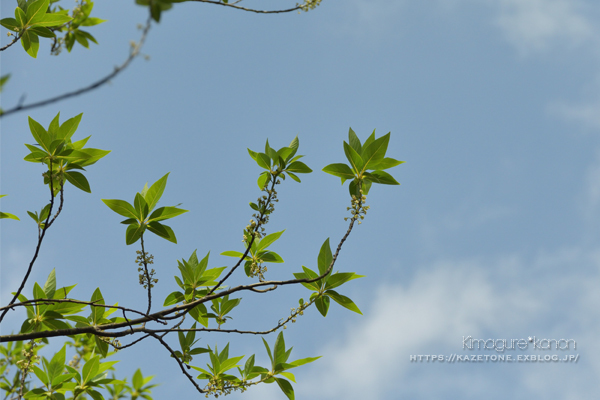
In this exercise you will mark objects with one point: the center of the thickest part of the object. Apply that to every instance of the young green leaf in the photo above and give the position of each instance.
(375, 151)
(340, 170)
(354, 158)
(268, 240)
(163, 213)
(354, 141)
(133, 233)
(122, 207)
(325, 257)
(343, 301)
(155, 192)
(78, 180)
(286, 387)
(163, 231)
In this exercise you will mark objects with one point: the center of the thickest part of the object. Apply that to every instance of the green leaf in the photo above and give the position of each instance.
(340, 278)
(286, 387)
(343, 301)
(68, 128)
(354, 141)
(141, 207)
(138, 379)
(50, 285)
(263, 161)
(54, 19)
(293, 176)
(354, 158)
(155, 192)
(368, 142)
(122, 207)
(263, 179)
(174, 298)
(166, 213)
(30, 42)
(36, 11)
(288, 375)
(311, 285)
(268, 350)
(91, 21)
(385, 164)
(303, 361)
(279, 349)
(322, 304)
(163, 231)
(4, 215)
(268, 240)
(133, 233)
(340, 170)
(21, 17)
(270, 256)
(38, 292)
(97, 312)
(271, 152)
(57, 364)
(199, 314)
(101, 347)
(366, 186)
(382, 177)
(325, 257)
(78, 180)
(39, 133)
(11, 24)
(90, 369)
(41, 375)
(231, 253)
(375, 151)
(298, 167)
(81, 39)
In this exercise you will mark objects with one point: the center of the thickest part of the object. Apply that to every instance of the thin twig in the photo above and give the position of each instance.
(133, 54)
(181, 365)
(37, 248)
(249, 246)
(15, 40)
(232, 5)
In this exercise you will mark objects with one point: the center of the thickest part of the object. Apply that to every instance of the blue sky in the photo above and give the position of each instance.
(493, 233)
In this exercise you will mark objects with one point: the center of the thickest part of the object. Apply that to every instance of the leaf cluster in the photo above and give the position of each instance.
(258, 254)
(138, 215)
(366, 164)
(323, 288)
(278, 163)
(63, 157)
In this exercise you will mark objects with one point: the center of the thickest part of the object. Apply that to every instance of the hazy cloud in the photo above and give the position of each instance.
(500, 299)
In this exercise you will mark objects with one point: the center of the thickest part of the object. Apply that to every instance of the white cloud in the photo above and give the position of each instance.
(538, 24)
(555, 295)
(588, 114)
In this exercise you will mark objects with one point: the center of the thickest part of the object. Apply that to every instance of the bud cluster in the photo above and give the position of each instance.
(257, 269)
(29, 358)
(295, 312)
(358, 208)
(143, 259)
(218, 387)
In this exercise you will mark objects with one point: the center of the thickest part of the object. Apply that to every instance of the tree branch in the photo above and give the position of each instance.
(135, 51)
(166, 314)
